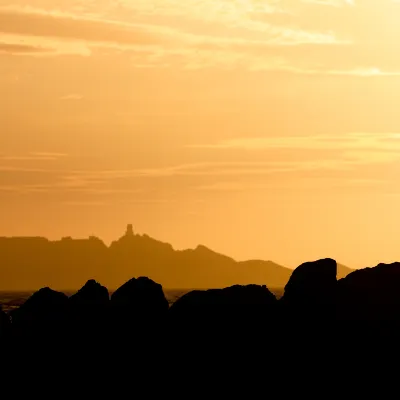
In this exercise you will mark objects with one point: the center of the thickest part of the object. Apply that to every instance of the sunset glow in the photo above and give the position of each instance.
(262, 129)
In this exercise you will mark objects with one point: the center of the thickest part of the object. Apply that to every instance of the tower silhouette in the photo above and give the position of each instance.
(129, 230)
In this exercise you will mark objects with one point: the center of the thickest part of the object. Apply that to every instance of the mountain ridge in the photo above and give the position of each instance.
(27, 263)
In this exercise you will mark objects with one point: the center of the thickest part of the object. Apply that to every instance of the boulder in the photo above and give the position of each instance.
(138, 308)
(141, 295)
(236, 319)
(89, 310)
(237, 305)
(232, 297)
(370, 294)
(45, 314)
(312, 281)
(311, 292)
(92, 294)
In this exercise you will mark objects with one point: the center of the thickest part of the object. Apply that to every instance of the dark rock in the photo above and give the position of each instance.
(312, 282)
(5, 324)
(138, 307)
(90, 295)
(217, 322)
(141, 295)
(89, 309)
(235, 305)
(44, 314)
(234, 296)
(311, 292)
(370, 294)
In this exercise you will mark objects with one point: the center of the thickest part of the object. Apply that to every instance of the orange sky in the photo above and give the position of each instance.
(262, 129)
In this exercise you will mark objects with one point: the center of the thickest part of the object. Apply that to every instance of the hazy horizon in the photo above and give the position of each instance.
(109, 243)
(260, 129)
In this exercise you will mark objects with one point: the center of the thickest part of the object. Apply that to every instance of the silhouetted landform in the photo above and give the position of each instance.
(43, 315)
(139, 309)
(89, 310)
(371, 294)
(311, 291)
(28, 263)
(313, 300)
(343, 271)
(5, 324)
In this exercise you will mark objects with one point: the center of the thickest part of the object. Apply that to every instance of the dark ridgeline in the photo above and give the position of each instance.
(29, 263)
(311, 295)
(222, 333)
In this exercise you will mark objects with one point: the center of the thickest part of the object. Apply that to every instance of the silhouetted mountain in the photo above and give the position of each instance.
(29, 263)
(343, 271)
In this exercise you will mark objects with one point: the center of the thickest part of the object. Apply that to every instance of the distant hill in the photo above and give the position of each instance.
(343, 271)
(31, 263)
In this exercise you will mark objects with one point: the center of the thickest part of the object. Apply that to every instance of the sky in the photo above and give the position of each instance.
(262, 129)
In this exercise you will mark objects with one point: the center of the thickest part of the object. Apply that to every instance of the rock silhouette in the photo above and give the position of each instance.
(308, 305)
(311, 284)
(44, 315)
(5, 324)
(138, 309)
(140, 296)
(217, 317)
(371, 294)
(234, 296)
(89, 310)
(138, 322)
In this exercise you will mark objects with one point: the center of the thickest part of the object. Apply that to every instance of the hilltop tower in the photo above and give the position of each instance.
(129, 230)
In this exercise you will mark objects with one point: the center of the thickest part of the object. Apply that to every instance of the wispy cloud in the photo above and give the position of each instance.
(332, 3)
(15, 48)
(212, 33)
(156, 43)
(351, 141)
(34, 156)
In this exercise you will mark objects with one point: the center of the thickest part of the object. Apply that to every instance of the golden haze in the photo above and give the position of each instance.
(262, 129)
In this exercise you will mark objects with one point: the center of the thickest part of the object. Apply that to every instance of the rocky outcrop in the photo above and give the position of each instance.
(370, 294)
(311, 291)
(92, 294)
(235, 306)
(234, 296)
(89, 310)
(141, 295)
(138, 308)
(45, 314)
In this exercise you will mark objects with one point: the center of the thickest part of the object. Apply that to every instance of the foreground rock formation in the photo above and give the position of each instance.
(315, 307)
